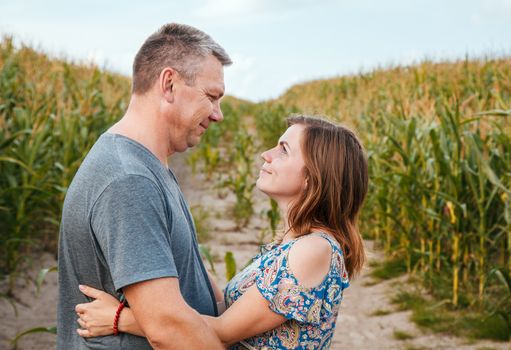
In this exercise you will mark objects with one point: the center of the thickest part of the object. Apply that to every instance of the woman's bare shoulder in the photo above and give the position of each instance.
(309, 259)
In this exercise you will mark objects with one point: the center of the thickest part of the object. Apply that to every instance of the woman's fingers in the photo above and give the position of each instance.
(82, 323)
(81, 308)
(90, 292)
(84, 333)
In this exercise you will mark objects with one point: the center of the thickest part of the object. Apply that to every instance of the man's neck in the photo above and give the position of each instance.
(142, 124)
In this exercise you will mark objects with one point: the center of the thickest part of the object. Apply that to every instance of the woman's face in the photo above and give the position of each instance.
(281, 176)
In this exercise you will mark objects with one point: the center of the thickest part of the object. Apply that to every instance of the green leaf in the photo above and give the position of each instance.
(206, 254)
(230, 266)
(52, 330)
(11, 302)
(41, 276)
(497, 112)
(18, 162)
(11, 139)
(505, 278)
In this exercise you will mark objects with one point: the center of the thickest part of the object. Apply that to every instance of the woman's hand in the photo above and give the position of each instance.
(97, 317)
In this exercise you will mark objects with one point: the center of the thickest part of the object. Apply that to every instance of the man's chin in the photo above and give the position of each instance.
(184, 147)
(193, 143)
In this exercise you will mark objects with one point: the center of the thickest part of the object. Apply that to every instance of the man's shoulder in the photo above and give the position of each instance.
(114, 156)
(124, 152)
(113, 160)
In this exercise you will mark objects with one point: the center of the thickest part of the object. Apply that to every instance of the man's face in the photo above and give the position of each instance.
(197, 105)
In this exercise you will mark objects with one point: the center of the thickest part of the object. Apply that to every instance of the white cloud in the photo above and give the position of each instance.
(411, 56)
(242, 62)
(497, 7)
(96, 57)
(230, 9)
(476, 19)
(240, 77)
(248, 11)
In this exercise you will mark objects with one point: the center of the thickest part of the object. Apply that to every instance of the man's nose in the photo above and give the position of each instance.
(217, 115)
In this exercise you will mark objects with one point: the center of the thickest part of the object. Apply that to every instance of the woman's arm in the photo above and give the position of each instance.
(309, 260)
(97, 318)
(248, 316)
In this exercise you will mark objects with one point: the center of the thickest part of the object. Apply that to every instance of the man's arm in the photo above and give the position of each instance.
(130, 223)
(166, 319)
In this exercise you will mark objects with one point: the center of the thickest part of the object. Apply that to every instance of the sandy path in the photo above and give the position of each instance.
(34, 310)
(356, 328)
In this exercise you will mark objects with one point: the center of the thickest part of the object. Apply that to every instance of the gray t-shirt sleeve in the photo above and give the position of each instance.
(130, 223)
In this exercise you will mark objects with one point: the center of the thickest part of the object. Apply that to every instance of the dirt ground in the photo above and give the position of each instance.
(356, 327)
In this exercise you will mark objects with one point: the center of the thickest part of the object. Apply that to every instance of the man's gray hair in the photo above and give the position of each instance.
(179, 46)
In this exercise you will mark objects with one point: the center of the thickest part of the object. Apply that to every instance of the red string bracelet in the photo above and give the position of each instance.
(121, 306)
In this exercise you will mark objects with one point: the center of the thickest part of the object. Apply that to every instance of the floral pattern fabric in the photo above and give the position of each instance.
(311, 312)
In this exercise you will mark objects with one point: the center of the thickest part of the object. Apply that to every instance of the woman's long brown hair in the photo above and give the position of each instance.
(337, 180)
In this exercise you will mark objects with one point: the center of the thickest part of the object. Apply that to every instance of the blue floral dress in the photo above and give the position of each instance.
(311, 312)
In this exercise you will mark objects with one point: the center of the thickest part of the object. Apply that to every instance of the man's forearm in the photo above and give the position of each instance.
(165, 318)
(128, 324)
(191, 332)
(215, 324)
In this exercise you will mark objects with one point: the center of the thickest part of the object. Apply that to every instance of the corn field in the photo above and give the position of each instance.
(51, 113)
(438, 138)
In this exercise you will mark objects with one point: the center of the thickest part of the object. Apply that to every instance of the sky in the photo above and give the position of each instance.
(274, 43)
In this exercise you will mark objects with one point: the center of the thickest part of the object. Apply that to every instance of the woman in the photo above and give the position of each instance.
(289, 296)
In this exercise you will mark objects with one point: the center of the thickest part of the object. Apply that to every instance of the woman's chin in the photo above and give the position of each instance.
(261, 188)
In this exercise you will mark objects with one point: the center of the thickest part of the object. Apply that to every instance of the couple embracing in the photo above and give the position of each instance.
(130, 272)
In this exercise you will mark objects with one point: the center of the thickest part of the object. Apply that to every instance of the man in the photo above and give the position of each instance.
(126, 227)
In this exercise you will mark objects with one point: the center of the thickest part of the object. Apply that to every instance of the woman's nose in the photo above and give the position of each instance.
(266, 155)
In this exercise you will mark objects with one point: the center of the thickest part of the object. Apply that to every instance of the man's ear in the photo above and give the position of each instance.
(166, 83)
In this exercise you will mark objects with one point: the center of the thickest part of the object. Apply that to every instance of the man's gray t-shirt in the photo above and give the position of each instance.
(125, 221)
